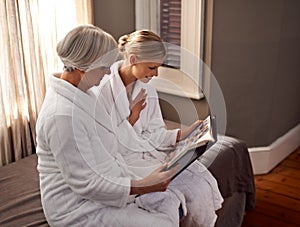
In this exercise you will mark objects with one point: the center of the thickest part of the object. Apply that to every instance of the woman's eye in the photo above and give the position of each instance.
(152, 68)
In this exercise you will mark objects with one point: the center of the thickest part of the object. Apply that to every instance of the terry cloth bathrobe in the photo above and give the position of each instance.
(84, 182)
(144, 143)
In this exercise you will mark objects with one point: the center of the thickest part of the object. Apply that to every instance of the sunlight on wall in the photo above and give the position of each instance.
(54, 19)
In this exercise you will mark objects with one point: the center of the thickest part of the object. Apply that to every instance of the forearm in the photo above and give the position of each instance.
(140, 187)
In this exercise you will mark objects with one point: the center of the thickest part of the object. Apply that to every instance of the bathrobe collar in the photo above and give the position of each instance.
(86, 101)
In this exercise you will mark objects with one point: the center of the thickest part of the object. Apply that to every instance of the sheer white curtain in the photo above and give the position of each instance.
(29, 31)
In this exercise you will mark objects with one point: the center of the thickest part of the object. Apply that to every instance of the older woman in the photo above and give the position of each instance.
(82, 184)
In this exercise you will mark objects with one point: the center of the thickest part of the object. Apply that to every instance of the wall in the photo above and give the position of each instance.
(255, 59)
(115, 16)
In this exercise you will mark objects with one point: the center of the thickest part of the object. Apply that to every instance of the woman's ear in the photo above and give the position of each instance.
(132, 59)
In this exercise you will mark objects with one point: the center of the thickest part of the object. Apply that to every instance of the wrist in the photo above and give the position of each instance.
(130, 120)
(178, 135)
(137, 187)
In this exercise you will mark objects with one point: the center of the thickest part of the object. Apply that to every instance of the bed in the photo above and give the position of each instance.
(228, 161)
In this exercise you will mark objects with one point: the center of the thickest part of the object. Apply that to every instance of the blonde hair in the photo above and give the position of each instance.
(84, 45)
(144, 44)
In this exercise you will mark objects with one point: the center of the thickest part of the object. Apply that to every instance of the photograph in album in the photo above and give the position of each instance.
(197, 142)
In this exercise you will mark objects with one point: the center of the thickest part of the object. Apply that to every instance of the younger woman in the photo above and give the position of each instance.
(136, 119)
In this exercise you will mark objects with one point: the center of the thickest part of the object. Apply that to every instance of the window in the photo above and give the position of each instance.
(29, 31)
(170, 29)
(180, 23)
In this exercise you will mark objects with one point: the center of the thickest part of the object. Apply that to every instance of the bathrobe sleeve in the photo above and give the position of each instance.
(85, 165)
(154, 127)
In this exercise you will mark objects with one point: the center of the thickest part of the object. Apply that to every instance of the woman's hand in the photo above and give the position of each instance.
(136, 106)
(157, 181)
(182, 134)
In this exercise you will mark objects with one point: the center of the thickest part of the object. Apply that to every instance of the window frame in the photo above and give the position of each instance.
(188, 81)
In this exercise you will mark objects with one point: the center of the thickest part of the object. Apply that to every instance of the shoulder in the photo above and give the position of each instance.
(54, 106)
(57, 108)
(114, 68)
(103, 87)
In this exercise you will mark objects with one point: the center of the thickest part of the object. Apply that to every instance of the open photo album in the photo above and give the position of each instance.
(196, 143)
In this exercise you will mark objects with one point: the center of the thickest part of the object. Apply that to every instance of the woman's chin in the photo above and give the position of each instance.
(146, 80)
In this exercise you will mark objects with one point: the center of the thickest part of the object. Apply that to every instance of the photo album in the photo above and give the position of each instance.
(197, 142)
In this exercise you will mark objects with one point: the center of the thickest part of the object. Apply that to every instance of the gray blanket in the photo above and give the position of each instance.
(229, 162)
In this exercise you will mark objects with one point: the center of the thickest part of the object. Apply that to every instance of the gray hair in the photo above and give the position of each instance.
(144, 44)
(83, 46)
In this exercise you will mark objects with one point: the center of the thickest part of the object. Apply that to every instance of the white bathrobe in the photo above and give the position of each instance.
(141, 143)
(83, 181)
(144, 143)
